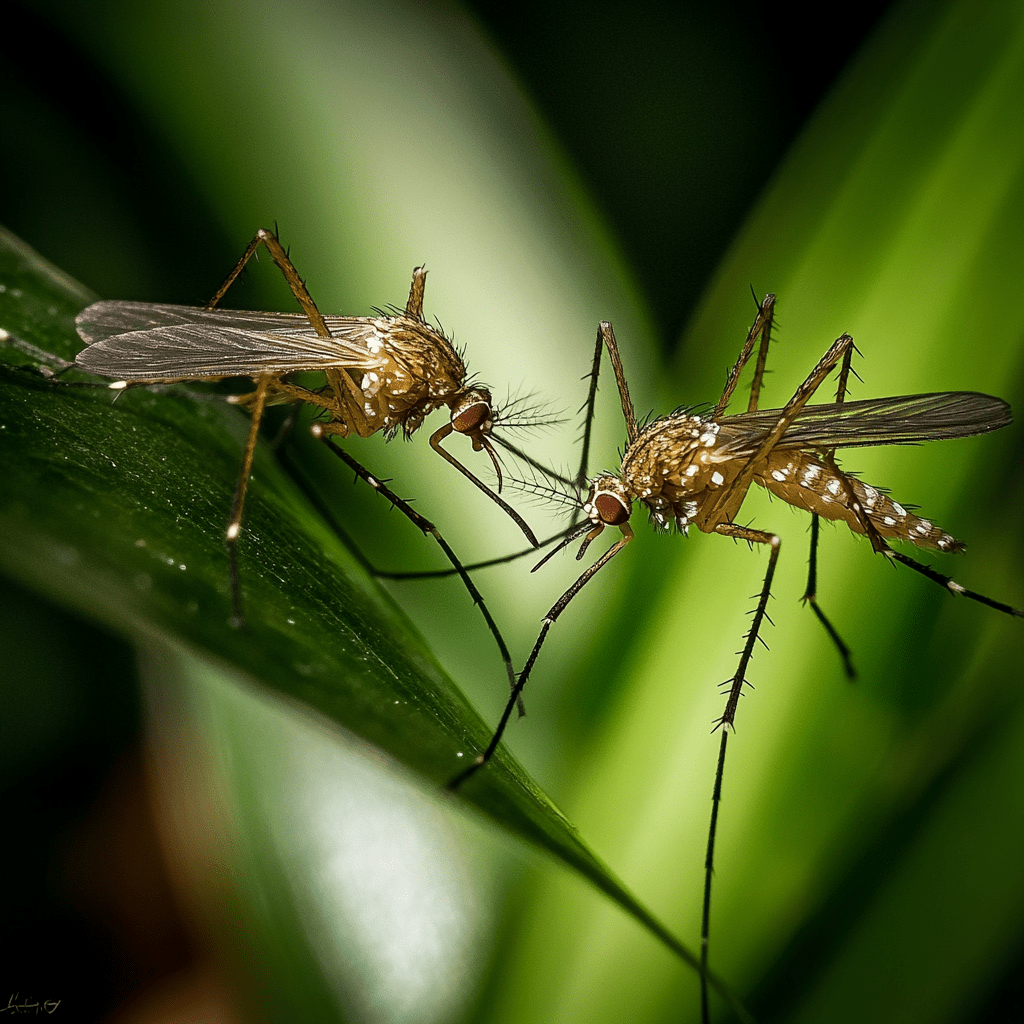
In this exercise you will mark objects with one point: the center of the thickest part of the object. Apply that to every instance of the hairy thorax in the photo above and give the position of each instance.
(419, 372)
(676, 467)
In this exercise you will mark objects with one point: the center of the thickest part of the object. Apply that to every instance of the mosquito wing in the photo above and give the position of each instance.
(908, 419)
(147, 342)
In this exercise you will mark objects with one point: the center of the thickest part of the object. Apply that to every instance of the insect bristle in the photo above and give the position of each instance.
(701, 409)
(525, 413)
(647, 420)
(544, 490)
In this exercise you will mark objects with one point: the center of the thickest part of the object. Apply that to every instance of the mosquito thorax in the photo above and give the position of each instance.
(471, 413)
(608, 503)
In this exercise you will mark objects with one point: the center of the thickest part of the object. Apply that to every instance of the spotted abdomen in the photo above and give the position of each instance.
(809, 483)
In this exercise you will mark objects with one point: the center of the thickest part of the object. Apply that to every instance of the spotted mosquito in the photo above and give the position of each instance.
(383, 374)
(696, 469)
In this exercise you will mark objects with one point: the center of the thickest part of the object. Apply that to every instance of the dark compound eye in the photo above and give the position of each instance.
(611, 509)
(472, 417)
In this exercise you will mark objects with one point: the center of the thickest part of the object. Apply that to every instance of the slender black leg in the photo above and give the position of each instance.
(549, 620)
(424, 524)
(709, 860)
(879, 544)
(722, 512)
(811, 597)
(948, 583)
(430, 574)
(811, 592)
(727, 722)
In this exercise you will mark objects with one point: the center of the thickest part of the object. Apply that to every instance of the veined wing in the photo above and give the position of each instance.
(907, 419)
(149, 342)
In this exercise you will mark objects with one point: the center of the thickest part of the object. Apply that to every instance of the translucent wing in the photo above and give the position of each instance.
(149, 342)
(907, 419)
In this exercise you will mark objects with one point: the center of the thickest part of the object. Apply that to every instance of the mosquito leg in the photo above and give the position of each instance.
(291, 275)
(435, 442)
(431, 574)
(811, 597)
(549, 620)
(763, 320)
(607, 335)
(321, 432)
(41, 356)
(414, 307)
(844, 374)
(328, 515)
(948, 583)
(811, 593)
(605, 339)
(727, 722)
(238, 503)
(766, 314)
(282, 390)
(879, 544)
(590, 405)
(837, 351)
(414, 304)
(736, 685)
(709, 858)
(726, 504)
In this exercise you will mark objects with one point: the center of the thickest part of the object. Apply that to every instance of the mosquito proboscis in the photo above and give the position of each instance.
(383, 374)
(690, 469)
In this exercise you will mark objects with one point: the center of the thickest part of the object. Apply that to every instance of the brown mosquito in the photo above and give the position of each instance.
(383, 374)
(691, 469)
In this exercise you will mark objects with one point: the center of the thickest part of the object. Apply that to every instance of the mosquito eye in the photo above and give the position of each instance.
(611, 509)
(471, 418)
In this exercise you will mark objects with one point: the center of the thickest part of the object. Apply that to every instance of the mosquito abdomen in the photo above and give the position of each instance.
(807, 482)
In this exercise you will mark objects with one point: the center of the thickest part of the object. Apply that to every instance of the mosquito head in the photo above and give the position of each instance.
(471, 414)
(608, 503)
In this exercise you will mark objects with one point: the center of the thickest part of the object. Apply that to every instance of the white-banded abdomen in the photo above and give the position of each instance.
(803, 480)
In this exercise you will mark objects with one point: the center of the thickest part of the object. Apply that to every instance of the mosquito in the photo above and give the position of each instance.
(383, 374)
(692, 469)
